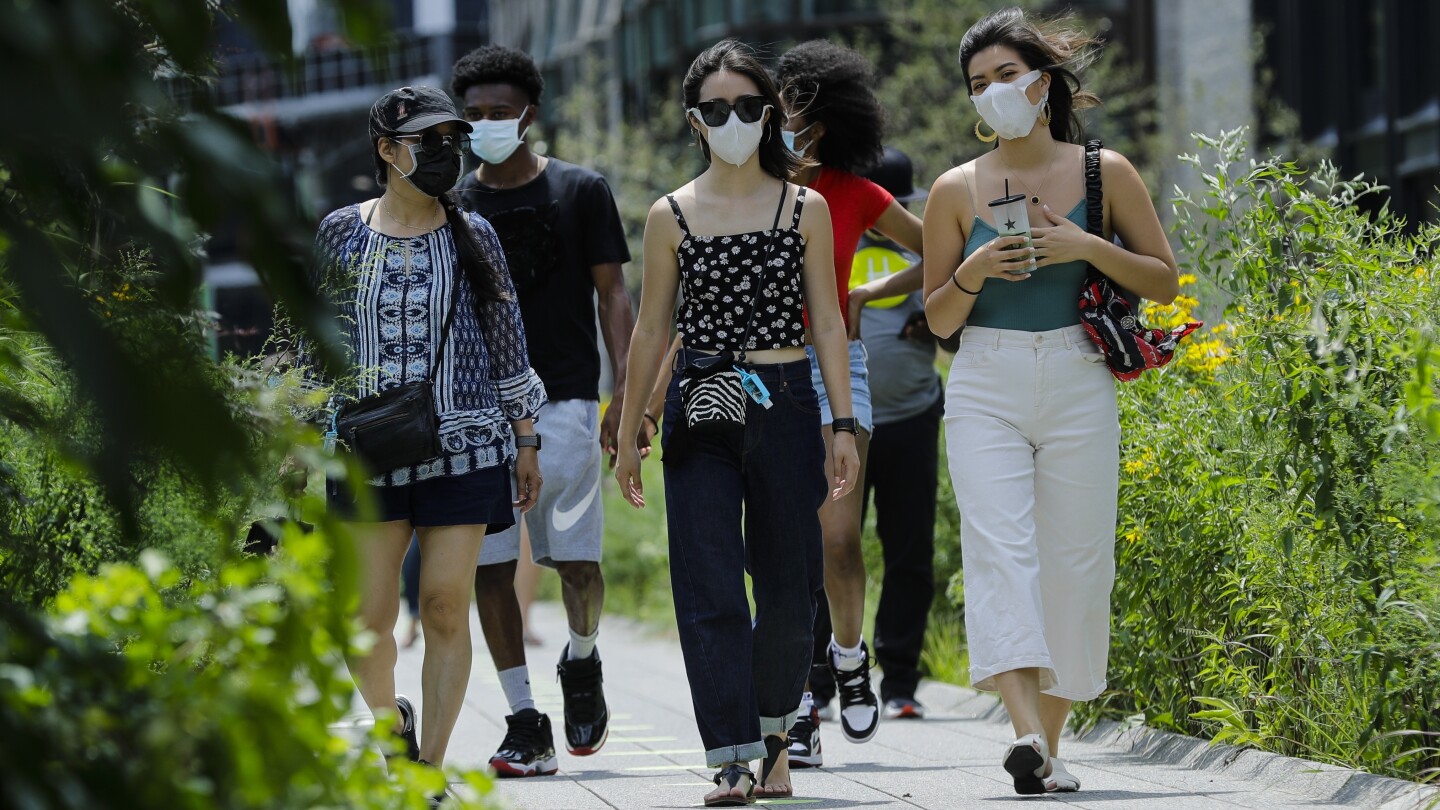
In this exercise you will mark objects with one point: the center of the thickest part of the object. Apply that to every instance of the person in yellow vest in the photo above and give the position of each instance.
(902, 476)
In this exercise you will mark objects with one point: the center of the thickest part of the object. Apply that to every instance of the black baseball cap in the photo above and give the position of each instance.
(408, 110)
(895, 174)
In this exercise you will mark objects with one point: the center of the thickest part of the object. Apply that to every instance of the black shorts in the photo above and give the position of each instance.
(475, 498)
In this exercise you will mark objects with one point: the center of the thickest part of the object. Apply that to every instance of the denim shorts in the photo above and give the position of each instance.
(859, 387)
(471, 499)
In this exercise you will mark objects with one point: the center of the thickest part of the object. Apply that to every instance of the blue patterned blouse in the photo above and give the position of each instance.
(392, 294)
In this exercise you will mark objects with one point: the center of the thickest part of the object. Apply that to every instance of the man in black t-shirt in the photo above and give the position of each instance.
(563, 244)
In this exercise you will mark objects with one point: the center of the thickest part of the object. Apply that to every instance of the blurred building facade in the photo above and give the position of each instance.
(1363, 79)
(313, 119)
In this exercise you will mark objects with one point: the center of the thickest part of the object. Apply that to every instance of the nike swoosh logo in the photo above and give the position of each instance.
(563, 519)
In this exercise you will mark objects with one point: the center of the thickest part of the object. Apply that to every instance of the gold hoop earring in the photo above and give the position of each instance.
(984, 139)
(1045, 115)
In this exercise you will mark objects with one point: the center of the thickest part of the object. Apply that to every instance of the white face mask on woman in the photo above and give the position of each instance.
(495, 141)
(1006, 109)
(734, 141)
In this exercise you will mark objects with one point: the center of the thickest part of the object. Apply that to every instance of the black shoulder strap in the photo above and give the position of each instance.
(449, 319)
(764, 261)
(1094, 194)
(679, 217)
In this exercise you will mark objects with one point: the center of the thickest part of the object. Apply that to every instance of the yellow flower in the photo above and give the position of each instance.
(1187, 279)
(1131, 535)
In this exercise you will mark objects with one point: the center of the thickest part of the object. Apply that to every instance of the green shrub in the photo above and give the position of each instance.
(1277, 525)
(143, 690)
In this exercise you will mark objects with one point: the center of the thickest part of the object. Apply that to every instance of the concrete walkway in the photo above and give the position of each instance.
(950, 760)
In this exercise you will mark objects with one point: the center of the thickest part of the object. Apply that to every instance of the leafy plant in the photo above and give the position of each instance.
(1276, 556)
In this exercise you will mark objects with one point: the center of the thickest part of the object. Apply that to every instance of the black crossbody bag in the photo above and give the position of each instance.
(397, 427)
(710, 388)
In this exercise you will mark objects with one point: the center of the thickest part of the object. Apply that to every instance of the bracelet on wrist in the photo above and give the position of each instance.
(845, 424)
(956, 281)
(653, 420)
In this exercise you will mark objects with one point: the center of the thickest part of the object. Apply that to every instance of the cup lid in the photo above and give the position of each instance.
(1013, 198)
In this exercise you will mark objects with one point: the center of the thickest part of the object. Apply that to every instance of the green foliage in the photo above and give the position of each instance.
(1276, 564)
(144, 690)
(85, 191)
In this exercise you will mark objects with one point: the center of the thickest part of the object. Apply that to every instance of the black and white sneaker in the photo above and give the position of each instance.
(407, 733)
(528, 748)
(859, 708)
(805, 740)
(587, 718)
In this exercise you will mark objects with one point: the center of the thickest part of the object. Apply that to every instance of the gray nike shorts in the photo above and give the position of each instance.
(565, 525)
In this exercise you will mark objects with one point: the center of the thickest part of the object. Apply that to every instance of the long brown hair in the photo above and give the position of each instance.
(1055, 46)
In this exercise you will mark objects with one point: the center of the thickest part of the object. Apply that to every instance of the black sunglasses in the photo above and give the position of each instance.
(433, 143)
(716, 112)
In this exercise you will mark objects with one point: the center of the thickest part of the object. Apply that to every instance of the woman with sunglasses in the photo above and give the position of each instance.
(413, 277)
(1031, 422)
(749, 249)
(837, 123)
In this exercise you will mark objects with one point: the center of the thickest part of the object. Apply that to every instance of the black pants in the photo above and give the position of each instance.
(903, 474)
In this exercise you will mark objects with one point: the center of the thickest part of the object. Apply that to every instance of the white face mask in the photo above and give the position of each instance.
(734, 141)
(1007, 110)
(789, 138)
(495, 141)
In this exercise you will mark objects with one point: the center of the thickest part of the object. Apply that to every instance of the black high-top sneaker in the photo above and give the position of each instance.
(859, 708)
(407, 733)
(528, 748)
(587, 718)
(805, 739)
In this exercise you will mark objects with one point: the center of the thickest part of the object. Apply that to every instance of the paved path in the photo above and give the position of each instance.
(654, 758)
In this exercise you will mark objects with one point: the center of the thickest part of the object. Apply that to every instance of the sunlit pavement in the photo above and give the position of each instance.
(654, 758)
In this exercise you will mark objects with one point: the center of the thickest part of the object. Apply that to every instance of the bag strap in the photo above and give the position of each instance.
(769, 243)
(1094, 194)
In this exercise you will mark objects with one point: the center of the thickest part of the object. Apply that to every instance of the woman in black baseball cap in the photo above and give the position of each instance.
(423, 295)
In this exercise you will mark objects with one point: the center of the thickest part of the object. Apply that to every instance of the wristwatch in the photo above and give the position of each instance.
(532, 440)
(845, 424)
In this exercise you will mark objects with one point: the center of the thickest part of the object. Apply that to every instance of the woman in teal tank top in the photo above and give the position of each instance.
(1031, 423)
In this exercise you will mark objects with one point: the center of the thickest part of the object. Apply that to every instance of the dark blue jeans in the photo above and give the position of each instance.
(746, 501)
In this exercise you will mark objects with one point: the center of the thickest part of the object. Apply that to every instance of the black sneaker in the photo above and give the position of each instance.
(587, 718)
(407, 731)
(822, 691)
(805, 740)
(439, 798)
(528, 748)
(859, 709)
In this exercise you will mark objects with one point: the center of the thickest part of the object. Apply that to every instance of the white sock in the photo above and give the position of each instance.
(581, 646)
(847, 659)
(515, 682)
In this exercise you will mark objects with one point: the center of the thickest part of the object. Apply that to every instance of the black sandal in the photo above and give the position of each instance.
(773, 747)
(731, 775)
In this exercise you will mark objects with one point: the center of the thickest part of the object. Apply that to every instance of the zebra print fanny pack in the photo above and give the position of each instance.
(711, 389)
(711, 394)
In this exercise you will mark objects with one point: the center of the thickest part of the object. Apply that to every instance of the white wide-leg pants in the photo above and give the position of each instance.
(1033, 438)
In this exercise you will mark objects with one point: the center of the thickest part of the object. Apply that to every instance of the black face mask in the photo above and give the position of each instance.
(434, 173)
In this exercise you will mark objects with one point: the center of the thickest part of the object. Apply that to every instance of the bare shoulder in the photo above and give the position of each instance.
(1114, 165)
(815, 215)
(661, 223)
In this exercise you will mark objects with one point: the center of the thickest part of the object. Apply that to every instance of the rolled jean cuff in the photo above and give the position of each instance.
(777, 725)
(725, 755)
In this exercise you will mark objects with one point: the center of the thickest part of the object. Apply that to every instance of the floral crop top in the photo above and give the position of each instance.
(719, 277)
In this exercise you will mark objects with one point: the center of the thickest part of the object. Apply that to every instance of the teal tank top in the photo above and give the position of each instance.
(1049, 299)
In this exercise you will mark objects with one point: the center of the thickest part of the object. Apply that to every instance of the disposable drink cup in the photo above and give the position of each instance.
(1013, 219)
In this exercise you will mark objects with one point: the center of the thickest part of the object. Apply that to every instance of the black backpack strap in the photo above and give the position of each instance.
(1094, 194)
